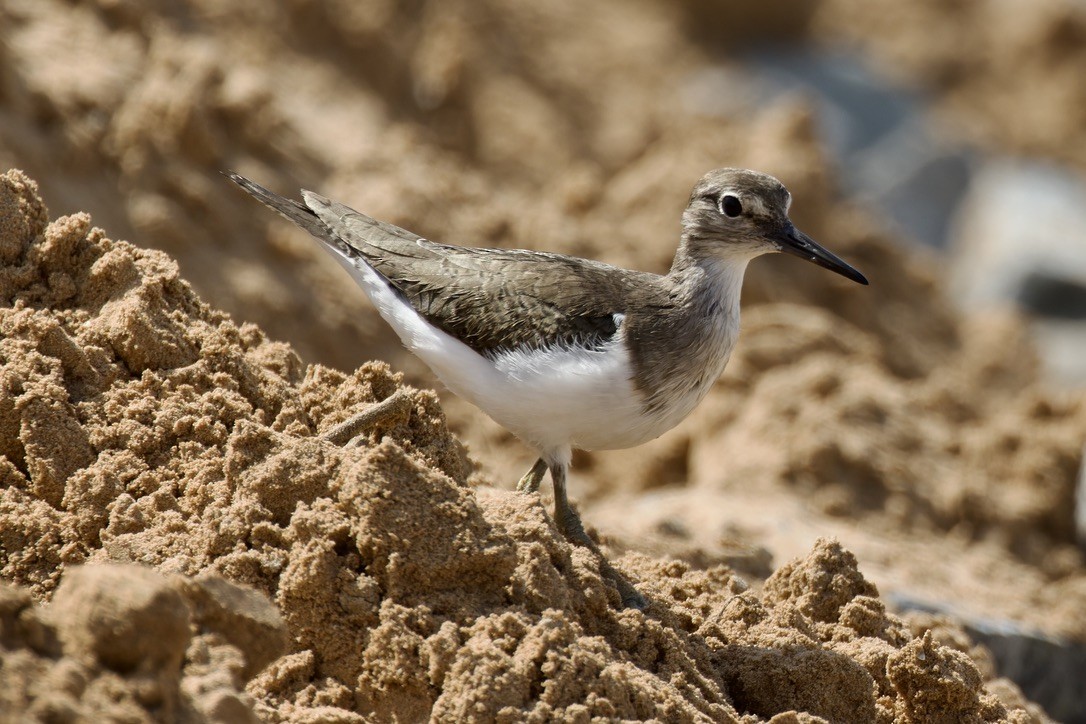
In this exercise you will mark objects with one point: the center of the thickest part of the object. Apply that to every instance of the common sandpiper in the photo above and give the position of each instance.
(567, 352)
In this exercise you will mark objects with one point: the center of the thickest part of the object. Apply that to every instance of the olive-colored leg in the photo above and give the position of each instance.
(533, 478)
(569, 524)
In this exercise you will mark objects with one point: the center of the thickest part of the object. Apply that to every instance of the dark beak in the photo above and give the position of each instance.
(793, 241)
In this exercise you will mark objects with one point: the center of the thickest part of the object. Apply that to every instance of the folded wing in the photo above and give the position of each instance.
(493, 300)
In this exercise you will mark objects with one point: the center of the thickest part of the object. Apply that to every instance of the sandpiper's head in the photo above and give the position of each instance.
(737, 213)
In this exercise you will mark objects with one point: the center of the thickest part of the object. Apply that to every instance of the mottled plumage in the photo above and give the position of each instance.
(493, 300)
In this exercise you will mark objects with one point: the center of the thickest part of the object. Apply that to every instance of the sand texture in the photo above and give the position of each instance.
(122, 642)
(145, 427)
(865, 449)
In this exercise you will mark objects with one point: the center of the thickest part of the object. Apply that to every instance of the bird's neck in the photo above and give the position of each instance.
(710, 283)
(679, 356)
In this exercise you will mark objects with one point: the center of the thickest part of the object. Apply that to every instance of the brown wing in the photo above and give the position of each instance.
(491, 299)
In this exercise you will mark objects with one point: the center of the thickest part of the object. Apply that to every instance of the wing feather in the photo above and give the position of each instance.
(493, 300)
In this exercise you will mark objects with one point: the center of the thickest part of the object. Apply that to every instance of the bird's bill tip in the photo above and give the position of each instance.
(795, 242)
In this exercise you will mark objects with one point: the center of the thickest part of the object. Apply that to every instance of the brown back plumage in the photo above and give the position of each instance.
(493, 300)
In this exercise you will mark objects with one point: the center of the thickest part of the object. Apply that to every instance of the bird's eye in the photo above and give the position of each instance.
(730, 206)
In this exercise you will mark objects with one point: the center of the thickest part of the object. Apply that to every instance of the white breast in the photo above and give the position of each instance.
(561, 396)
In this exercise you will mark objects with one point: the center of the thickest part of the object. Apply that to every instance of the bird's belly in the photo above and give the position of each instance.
(650, 423)
(584, 399)
(575, 397)
(559, 397)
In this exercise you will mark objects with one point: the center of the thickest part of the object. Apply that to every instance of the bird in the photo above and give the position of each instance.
(564, 352)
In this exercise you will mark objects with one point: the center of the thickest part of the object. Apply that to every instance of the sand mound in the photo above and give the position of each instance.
(140, 425)
(137, 423)
(124, 643)
(431, 130)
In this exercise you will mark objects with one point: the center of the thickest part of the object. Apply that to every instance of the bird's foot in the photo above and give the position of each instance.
(533, 478)
(570, 526)
(390, 410)
(631, 597)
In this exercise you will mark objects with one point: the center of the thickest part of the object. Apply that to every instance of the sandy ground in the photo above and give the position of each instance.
(142, 423)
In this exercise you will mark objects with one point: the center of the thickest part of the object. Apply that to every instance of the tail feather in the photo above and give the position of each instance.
(324, 219)
(365, 234)
(292, 210)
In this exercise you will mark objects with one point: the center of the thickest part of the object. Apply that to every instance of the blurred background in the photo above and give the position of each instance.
(934, 421)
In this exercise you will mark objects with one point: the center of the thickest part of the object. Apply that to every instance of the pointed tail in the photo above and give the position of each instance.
(292, 210)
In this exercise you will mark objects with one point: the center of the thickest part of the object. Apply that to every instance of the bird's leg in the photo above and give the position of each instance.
(532, 479)
(569, 525)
